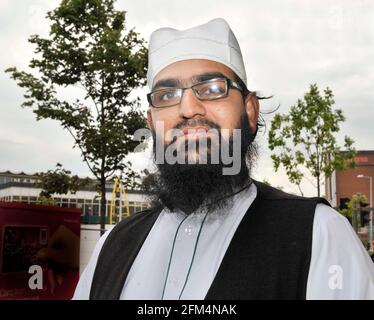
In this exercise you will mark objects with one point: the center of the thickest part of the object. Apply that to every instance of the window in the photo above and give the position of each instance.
(25, 199)
(131, 209)
(87, 210)
(64, 203)
(95, 210)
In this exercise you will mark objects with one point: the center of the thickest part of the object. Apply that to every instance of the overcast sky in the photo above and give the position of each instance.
(287, 45)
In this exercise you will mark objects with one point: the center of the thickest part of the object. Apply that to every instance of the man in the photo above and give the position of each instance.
(215, 233)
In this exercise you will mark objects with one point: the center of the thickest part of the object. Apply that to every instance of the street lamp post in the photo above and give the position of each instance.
(371, 207)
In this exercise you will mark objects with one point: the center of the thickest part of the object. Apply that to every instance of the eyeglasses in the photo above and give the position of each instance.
(206, 90)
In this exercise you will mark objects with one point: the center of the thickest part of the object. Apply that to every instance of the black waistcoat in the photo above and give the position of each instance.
(267, 258)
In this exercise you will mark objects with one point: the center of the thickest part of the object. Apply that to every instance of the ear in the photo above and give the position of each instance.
(149, 119)
(252, 108)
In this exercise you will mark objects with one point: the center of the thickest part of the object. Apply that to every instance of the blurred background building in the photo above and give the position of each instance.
(344, 184)
(19, 187)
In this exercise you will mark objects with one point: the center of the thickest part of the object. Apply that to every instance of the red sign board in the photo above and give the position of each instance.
(39, 251)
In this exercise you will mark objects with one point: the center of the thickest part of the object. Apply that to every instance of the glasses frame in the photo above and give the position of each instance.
(230, 84)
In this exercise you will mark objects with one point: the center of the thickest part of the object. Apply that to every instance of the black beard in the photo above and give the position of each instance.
(189, 187)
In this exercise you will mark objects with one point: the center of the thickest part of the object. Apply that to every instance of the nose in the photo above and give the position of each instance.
(190, 106)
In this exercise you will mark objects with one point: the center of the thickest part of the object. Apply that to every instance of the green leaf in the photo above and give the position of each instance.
(305, 138)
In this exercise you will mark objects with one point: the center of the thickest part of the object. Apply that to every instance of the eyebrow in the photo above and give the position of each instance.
(176, 83)
(168, 83)
(208, 76)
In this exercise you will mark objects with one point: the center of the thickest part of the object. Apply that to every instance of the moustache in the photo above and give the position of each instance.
(194, 123)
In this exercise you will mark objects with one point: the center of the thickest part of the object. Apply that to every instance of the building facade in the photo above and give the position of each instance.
(344, 184)
(20, 187)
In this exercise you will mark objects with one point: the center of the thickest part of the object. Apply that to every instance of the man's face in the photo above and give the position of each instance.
(192, 113)
(206, 186)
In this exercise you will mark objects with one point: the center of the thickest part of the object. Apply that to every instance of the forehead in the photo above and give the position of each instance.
(188, 69)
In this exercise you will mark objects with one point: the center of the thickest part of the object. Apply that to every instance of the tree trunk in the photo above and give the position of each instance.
(318, 186)
(301, 191)
(103, 205)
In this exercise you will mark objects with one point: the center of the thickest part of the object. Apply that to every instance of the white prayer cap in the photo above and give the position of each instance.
(213, 41)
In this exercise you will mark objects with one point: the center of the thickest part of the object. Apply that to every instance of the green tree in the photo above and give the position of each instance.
(353, 208)
(58, 181)
(304, 139)
(89, 48)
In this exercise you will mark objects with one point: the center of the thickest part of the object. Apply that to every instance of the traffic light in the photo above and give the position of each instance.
(364, 213)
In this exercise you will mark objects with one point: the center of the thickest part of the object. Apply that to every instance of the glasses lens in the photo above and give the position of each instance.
(166, 97)
(211, 89)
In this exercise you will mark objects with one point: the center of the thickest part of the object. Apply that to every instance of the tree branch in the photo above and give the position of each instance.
(301, 191)
(93, 100)
(311, 182)
(84, 157)
(107, 176)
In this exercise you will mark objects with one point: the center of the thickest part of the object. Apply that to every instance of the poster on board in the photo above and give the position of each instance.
(39, 251)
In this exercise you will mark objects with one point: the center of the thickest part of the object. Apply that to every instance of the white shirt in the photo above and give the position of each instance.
(340, 267)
